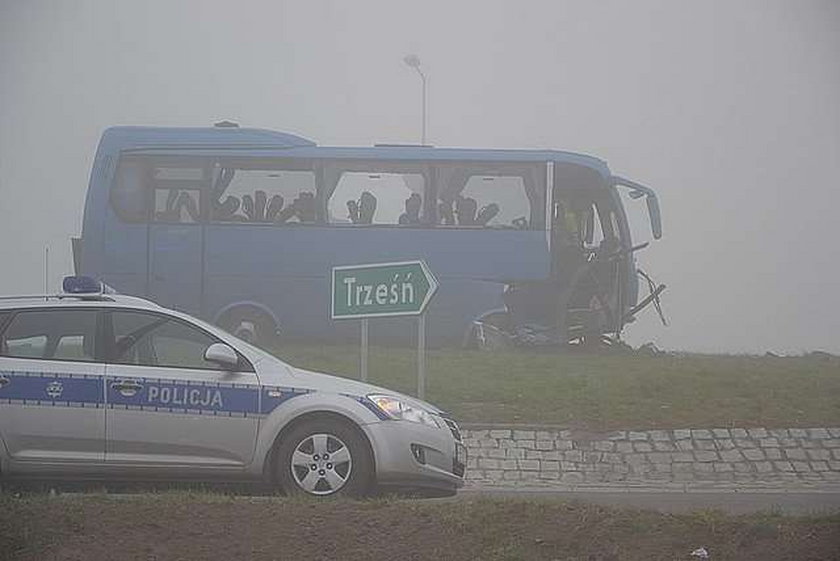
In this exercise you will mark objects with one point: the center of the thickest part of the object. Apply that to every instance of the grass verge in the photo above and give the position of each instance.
(602, 392)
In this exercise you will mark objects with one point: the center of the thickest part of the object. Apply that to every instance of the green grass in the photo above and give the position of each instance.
(602, 392)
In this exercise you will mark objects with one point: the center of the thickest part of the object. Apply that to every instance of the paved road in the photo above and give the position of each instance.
(733, 502)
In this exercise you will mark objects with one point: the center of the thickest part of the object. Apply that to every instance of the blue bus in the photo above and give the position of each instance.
(242, 226)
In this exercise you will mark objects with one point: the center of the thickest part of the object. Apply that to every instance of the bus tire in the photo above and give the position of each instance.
(488, 332)
(252, 325)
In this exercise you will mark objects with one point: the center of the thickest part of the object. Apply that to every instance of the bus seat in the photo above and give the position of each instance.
(275, 205)
(260, 199)
(285, 214)
(171, 212)
(413, 204)
(367, 207)
(225, 211)
(305, 207)
(353, 211)
(185, 200)
(446, 214)
(465, 208)
(486, 214)
(248, 207)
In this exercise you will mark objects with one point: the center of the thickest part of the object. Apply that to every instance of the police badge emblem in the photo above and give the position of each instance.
(55, 389)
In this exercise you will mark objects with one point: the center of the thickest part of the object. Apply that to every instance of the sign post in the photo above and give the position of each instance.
(364, 365)
(376, 290)
(421, 356)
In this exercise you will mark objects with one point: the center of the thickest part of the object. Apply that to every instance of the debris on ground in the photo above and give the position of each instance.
(650, 349)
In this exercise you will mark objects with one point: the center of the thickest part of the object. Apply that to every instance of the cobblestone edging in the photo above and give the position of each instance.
(757, 456)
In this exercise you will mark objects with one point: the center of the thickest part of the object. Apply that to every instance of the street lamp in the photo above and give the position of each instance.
(413, 61)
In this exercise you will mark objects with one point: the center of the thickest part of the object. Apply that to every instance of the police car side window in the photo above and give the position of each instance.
(4, 317)
(154, 340)
(51, 335)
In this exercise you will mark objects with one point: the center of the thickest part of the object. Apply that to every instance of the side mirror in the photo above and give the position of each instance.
(655, 216)
(222, 355)
(638, 191)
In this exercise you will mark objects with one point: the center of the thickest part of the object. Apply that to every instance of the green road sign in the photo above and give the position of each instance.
(381, 290)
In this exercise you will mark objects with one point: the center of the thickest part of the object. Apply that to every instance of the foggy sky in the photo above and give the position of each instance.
(730, 110)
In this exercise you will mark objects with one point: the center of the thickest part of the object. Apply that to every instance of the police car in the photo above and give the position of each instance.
(96, 384)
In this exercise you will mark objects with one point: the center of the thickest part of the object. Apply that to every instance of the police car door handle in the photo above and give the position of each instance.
(126, 387)
(4, 381)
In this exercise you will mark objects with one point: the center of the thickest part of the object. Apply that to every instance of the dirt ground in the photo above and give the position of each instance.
(189, 526)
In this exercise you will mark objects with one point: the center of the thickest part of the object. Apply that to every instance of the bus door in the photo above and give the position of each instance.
(586, 240)
(176, 236)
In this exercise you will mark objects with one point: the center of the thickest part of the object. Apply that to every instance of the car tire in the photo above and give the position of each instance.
(324, 457)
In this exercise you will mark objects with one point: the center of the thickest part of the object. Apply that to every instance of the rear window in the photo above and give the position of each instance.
(160, 190)
(129, 196)
(50, 335)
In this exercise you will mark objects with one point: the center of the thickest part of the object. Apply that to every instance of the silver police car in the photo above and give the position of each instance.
(95, 384)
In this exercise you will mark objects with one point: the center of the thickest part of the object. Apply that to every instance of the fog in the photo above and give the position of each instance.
(729, 110)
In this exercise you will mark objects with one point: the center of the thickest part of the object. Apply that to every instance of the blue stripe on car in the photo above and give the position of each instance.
(176, 396)
(273, 396)
(35, 388)
(149, 394)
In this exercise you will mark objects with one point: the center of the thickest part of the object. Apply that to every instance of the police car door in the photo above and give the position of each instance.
(51, 388)
(167, 406)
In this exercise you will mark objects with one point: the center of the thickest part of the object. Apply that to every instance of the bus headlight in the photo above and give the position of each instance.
(400, 410)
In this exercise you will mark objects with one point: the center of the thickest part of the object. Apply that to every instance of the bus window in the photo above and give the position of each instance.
(128, 193)
(594, 232)
(497, 195)
(177, 193)
(377, 198)
(270, 196)
(578, 223)
(489, 201)
(616, 231)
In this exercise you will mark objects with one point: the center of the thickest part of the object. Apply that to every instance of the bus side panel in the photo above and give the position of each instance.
(94, 229)
(288, 270)
(113, 250)
(125, 256)
(175, 266)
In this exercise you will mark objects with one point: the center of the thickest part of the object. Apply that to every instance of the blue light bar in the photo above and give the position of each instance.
(81, 285)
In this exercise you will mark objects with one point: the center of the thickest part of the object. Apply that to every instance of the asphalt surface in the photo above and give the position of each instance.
(730, 501)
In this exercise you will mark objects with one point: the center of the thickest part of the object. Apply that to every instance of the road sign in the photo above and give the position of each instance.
(382, 290)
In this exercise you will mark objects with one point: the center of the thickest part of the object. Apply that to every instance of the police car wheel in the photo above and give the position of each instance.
(322, 458)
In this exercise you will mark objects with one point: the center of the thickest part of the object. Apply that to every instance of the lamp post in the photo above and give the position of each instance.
(413, 61)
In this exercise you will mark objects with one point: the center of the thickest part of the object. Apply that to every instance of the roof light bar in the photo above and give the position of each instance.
(80, 285)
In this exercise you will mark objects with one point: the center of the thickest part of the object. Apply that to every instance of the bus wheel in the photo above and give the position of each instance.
(489, 333)
(252, 325)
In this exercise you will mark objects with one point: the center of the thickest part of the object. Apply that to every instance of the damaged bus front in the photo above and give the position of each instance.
(593, 288)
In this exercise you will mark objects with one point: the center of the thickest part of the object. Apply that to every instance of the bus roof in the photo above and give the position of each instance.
(248, 142)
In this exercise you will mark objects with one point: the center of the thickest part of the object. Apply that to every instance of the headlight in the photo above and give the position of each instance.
(400, 410)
